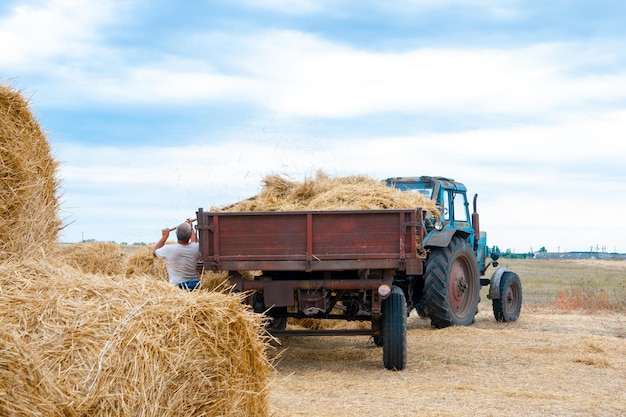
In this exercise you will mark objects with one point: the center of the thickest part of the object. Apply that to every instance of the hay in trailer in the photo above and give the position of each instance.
(129, 346)
(325, 193)
(29, 206)
(92, 257)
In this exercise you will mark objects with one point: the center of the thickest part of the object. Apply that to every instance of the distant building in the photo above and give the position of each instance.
(579, 255)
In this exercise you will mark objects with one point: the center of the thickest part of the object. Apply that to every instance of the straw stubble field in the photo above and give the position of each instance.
(551, 362)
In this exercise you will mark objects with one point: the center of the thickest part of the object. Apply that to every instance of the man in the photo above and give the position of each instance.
(181, 257)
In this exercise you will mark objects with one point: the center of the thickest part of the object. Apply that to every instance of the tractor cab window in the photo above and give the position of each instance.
(445, 206)
(425, 189)
(460, 207)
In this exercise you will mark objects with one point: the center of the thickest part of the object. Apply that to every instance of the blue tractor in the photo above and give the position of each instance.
(457, 257)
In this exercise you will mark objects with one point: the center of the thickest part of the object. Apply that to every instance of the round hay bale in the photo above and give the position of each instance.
(23, 380)
(29, 207)
(93, 257)
(130, 346)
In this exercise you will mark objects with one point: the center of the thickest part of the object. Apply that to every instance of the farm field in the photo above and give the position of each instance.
(565, 356)
(95, 329)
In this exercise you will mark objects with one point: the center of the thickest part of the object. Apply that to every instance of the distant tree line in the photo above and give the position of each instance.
(509, 254)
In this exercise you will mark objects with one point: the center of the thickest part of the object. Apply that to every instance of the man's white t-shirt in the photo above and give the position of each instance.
(180, 261)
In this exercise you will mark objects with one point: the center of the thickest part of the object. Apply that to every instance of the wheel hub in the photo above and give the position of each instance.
(510, 299)
(458, 286)
(461, 286)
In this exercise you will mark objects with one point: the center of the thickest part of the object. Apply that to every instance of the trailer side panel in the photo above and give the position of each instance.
(310, 240)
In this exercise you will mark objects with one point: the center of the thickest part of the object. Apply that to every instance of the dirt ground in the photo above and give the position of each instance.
(545, 364)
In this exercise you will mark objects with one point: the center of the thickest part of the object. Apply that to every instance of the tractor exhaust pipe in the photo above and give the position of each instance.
(476, 224)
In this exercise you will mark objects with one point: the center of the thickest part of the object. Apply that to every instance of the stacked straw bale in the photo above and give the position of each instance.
(92, 257)
(78, 344)
(29, 207)
(325, 193)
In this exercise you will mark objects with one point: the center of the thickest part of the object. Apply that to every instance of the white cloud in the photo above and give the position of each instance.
(536, 185)
(297, 73)
(499, 9)
(302, 75)
(37, 33)
(290, 7)
(160, 85)
(309, 76)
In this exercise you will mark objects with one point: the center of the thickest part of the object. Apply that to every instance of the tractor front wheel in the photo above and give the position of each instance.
(508, 306)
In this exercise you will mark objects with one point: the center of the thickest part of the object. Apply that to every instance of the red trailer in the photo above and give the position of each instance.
(341, 265)
(364, 265)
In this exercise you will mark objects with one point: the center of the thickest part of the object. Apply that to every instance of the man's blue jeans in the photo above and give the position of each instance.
(189, 285)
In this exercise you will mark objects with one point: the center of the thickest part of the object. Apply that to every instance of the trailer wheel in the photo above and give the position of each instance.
(280, 322)
(277, 319)
(508, 306)
(452, 285)
(394, 330)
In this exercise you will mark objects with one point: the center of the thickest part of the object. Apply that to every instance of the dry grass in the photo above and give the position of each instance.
(29, 205)
(583, 299)
(143, 262)
(92, 257)
(589, 285)
(551, 362)
(525, 369)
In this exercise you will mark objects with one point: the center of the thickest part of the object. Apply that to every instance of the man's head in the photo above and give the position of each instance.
(183, 232)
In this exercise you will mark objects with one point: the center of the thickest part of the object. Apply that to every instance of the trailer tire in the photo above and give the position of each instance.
(394, 330)
(508, 306)
(452, 285)
(278, 322)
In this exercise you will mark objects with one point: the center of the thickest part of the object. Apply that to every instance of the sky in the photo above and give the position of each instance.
(156, 108)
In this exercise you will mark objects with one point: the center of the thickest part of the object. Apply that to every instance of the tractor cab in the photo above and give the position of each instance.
(449, 195)
(451, 198)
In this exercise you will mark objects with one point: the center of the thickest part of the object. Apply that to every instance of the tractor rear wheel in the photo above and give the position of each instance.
(452, 285)
(508, 306)
(393, 323)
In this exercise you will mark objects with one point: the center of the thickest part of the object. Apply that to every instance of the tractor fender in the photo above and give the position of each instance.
(439, 239)
(494, 287)
(442, 238)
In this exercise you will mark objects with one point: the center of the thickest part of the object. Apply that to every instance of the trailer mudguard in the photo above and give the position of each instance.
(494, 287)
